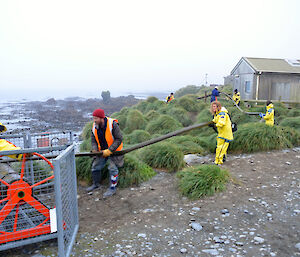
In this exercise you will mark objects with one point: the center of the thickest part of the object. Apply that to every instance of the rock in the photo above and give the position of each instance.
(258, 240)
(191, 159)
(183, 250)
(288, 163)
(141, 235)
(211, 251)
(196, 226)
(224, 211)
(195, 209)
(297, 246)
(239, 243)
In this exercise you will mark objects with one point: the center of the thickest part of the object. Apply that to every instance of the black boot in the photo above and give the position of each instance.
(96, 176)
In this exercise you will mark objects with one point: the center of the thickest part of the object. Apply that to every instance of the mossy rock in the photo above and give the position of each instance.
(163, 155)
(163, 125)
(203, 180)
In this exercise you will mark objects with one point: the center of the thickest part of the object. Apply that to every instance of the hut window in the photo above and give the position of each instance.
(247, 87)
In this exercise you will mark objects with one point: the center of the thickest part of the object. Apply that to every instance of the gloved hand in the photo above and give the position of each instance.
(261, 115)
(106, 153)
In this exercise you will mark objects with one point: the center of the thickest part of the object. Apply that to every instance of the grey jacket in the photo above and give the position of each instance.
(118, 138)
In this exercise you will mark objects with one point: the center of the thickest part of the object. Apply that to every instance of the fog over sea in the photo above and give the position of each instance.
(28, 97)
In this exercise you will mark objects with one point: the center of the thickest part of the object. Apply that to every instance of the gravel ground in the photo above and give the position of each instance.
(258, 215)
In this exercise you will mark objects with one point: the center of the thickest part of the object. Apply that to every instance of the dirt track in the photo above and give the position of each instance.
(258, 215)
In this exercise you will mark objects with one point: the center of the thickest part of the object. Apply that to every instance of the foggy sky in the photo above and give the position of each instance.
(79, 48)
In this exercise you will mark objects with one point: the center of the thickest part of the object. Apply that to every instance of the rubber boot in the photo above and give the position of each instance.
(96, 176)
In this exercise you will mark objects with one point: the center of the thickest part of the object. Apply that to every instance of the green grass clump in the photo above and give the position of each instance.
(191, 89)
(152, 99)
(163, 155)
(291, 122)
(189, 104)
(292, 135)
(203, 180)
(138, 136)
(134, 172)
(293, 112)
(151, 115)
(121, 116)
(187, 144)
(87, 130)
(135, 120)
(254, 137)
(163, 125)
(181, 115)
(156, 105)
(141, 106)
(83, 168)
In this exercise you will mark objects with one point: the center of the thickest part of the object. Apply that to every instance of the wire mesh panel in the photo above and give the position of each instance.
(25, 206)
(18, 140)
(37, 201)
(66, 200)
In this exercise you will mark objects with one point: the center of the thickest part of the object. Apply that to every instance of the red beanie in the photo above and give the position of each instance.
(99, 113)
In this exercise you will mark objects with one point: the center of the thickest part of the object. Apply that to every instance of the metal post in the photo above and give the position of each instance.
(58, 203)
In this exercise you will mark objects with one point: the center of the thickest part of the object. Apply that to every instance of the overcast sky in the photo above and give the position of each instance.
(68, 48)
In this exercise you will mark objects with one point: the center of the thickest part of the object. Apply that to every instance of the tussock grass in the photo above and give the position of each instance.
(291, 122)
(138, 136)
(189, 104)
(134, 172)
(254, 137)
(163, 155)
(187, 144)
(181, 115)
(152, 99)
(87, 131)
(293, 112)
(203, 180)
(135, 120)
(163, 125)
(151, 115)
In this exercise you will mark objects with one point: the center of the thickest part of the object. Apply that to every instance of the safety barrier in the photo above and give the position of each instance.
(38, 198)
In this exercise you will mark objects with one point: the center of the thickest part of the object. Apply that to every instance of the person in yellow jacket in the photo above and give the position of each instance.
(269, 116)
(223, 124)
(7, 146)
(170, 97)
(237, 97)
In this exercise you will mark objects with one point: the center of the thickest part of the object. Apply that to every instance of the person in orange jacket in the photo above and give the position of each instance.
(106, 137)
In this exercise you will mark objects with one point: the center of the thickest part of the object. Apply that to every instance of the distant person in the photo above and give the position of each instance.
(237, 97)
(7, 146)
(214, 94)
(223, 124)
(106, 137)
(170, 97)
(269, 116)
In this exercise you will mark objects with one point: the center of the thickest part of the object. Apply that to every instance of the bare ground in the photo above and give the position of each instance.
(258, 215)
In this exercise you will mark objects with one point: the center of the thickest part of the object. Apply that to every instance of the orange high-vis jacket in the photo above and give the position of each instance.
(108, 134)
